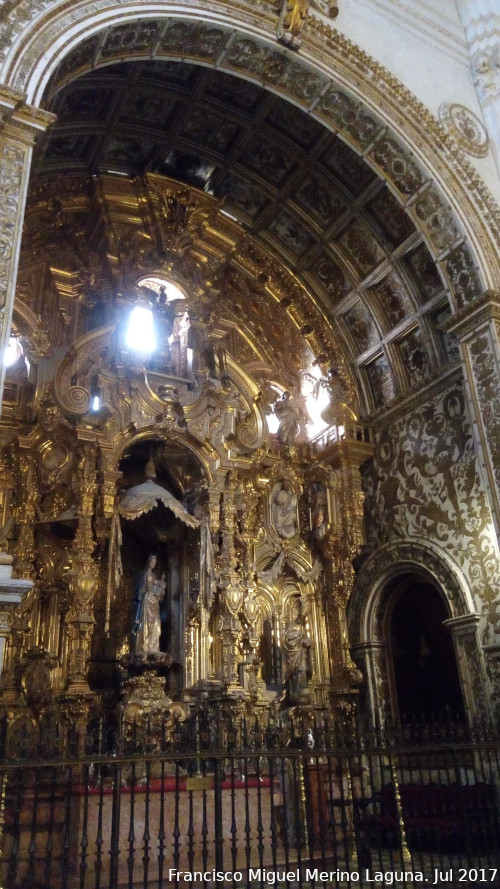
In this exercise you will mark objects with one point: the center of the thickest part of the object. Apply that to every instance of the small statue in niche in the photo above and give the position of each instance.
(288, 417)
(319, 510)
(297, 667)
(284, 511)
(147, 625)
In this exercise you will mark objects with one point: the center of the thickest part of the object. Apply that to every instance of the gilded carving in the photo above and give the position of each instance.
(292, 21)
(217, 414)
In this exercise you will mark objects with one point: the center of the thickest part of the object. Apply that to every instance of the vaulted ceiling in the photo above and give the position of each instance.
(296, 186)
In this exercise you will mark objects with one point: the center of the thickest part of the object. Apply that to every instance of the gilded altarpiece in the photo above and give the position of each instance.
(156, 475)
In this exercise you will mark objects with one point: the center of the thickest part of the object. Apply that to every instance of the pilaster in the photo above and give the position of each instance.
(477, 328)
(471, 665)
(371, 659)
(19, 126)
(481, 21)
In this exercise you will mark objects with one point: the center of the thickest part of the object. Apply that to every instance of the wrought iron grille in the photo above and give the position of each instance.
(234, 802)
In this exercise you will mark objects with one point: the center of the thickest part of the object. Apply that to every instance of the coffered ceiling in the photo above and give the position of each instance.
(298, 187)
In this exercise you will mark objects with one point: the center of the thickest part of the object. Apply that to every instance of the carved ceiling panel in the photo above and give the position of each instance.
(296, 186)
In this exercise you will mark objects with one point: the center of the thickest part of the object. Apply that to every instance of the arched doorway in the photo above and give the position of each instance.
(423, 671)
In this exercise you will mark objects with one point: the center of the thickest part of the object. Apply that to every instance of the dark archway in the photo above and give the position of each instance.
(423, 666)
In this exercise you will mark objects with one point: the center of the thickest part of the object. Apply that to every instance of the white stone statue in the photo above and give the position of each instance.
(284, 511)
(288, 416)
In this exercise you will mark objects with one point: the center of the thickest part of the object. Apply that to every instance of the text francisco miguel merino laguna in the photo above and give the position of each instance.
(293, 876)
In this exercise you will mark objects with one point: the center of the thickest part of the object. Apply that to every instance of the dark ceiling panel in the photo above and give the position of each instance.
(281, 173)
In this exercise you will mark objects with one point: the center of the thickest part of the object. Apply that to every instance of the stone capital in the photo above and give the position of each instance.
(464, 625)
(19, 121)
(478, 313)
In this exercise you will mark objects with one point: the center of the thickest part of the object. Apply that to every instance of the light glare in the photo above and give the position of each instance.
(140, 331)
(272, 423)
(12, 351)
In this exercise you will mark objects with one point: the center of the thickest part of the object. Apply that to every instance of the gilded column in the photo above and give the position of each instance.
(82, 578)
(233, 591)
(25, 514)
(20, 630)
(19, 126)
(340, 546)
(478, 330)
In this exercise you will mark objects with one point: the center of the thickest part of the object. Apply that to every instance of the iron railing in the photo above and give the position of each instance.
(224, 801)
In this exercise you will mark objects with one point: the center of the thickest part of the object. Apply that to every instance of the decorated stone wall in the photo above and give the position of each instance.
(427, 514)
(423, 485)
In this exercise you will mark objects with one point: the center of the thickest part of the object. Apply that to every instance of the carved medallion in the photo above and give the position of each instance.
(465, 128)
(54, 456)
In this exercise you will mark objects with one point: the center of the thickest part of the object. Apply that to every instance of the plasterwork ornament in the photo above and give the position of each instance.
(492, 653)
(12, 162)
(385, 563)
(483, 351)
(424, 484)
(471, 663)
(465, 128)
(485, 64)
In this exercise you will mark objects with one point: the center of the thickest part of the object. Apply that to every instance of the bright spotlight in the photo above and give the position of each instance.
(140, 336)
(13, 351)
(272, 423)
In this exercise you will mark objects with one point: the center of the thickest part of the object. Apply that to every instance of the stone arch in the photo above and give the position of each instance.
(415, 151)
(369, 599)
(422, 669)
(371, 602)
(198, 450)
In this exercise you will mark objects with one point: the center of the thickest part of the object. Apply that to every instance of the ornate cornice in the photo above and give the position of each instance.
(414, 400)
(481, 311)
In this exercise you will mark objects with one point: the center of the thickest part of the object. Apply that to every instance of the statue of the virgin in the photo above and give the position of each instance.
(147, 625)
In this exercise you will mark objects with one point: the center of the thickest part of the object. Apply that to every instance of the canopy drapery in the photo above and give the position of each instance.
(144, 497)
(131, 504)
